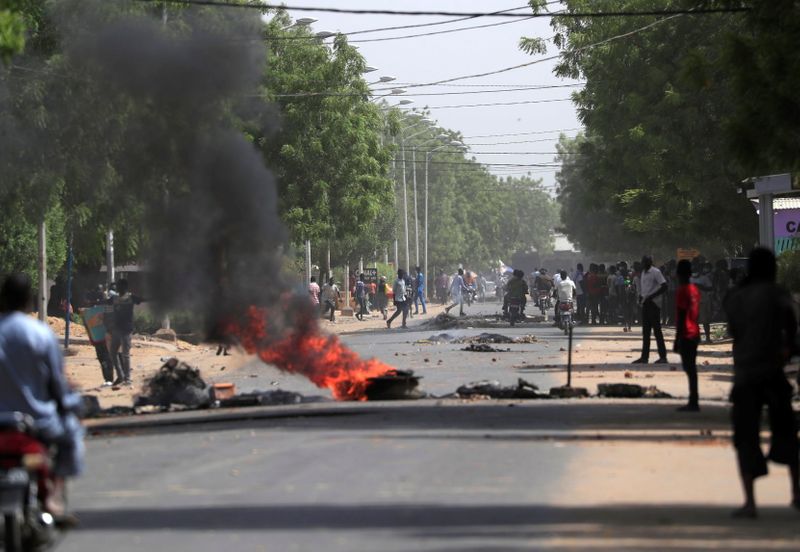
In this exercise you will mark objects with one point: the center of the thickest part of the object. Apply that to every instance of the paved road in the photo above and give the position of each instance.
(434, 475)
(543, 475)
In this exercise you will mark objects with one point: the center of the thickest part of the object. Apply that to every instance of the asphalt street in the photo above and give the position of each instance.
(435, 475)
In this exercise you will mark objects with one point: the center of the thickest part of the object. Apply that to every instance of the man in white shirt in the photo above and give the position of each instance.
(457, 290)
(652, 284)
(566, 288)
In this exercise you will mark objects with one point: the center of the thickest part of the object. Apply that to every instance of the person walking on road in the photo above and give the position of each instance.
(763, 325)
(313, 292)
(381, 296)
(687, 330)
(330, 297)
(652, 285)
(457, 290)
(400, 301)
(419, 295)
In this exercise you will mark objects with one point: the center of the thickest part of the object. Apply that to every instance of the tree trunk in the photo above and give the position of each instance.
(43, 291)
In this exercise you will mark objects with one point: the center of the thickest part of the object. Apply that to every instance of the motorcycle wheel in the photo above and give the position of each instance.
(12, 532)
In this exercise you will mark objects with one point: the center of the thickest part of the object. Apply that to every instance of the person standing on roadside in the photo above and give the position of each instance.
(400, 299)
(762, 322)
(361, 297)
(122, 331)
(687, 330)
(419, 296)
(580, 293)
(652, 285)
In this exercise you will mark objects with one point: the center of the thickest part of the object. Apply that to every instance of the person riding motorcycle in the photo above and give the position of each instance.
(516, 288)
(544, 283)
(32, 382)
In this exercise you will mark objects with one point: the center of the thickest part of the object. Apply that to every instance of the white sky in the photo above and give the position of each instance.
(432, 58)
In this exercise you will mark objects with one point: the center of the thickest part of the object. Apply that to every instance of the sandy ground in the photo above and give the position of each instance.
(602, 354)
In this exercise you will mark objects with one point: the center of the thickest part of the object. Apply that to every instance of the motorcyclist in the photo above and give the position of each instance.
(516, 288)
(544, 283)
(32, 382)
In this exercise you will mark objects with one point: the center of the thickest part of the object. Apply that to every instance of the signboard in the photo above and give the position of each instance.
(371, 275)
(688, 254)
(93, 319)
(787, 230)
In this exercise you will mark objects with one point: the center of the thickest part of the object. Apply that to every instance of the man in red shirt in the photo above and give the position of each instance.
(687, 335)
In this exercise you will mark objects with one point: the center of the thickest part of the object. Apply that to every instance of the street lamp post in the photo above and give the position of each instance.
(422, 120)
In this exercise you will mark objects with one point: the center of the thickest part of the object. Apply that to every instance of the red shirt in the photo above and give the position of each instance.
(687, 300)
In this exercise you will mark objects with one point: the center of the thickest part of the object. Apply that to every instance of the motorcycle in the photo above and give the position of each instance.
(514, 310)
(543, 301)
(24, 476)
(567, 316)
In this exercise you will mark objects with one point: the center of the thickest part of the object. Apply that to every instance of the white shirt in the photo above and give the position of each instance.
(456, 287)
(651, 281)
(557, 278)
(566, 289)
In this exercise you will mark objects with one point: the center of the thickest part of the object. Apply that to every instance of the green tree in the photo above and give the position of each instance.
(653, 170)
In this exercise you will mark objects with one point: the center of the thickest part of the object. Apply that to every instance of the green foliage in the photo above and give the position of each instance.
(764, 125)
(12, 33)
(789, 271)
(652, 171)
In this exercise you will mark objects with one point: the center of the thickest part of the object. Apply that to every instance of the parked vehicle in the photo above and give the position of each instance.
(24, 474)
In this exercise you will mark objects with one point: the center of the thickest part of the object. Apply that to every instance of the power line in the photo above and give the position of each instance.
(499, 104)
(553, 139)
(551, 58)
(460, 93)
(433, 33)
(435, 23)
(523, 133)
(265, 7)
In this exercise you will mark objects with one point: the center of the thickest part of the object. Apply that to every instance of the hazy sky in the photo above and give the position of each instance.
(433, 58)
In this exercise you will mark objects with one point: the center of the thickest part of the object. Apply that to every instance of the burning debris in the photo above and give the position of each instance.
(493, 390)
(176, 383)
(300, 348)
(394, 385)
(277, 397)
(445, 321)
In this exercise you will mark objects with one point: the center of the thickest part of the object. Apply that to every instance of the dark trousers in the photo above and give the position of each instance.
(688, 350)
(582, 307)
(651, 323)
(594, 308)
(402, 307)
(362, 306)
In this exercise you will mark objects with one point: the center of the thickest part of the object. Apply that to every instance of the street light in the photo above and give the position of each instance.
(405, 102)
(422, 120)
(452, 143)
(322, 35)
(387, 78)
(304, 21)
(369, 69)
(398, 91)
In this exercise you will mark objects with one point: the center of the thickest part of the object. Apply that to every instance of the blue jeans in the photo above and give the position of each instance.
(420, 296)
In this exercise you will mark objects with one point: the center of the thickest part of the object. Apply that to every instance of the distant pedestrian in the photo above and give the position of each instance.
(651, 286)
(580, 293)
(419, 292)
(703, 279)
(687, 331)
(400, 299)
(313, 291)
(361, 297)
(381, 296)
(457, 290)
(122, 331)
(763, 325)
(330, 298)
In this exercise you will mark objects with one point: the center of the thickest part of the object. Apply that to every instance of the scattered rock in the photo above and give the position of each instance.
(628, 375)
(90, 406)
(166, 335)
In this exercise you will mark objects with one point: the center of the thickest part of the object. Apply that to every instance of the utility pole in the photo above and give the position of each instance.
(308, 261)
(416, 216)
(109, 257)
(42, 307)
(405, 202)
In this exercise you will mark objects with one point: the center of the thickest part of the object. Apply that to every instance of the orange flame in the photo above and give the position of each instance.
(323, 359)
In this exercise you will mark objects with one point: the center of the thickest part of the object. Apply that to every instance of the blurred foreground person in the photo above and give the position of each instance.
(687, 330)
(763, 325)
(32, 382)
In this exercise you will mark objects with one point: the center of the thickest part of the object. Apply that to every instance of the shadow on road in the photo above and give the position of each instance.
(674, 527)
